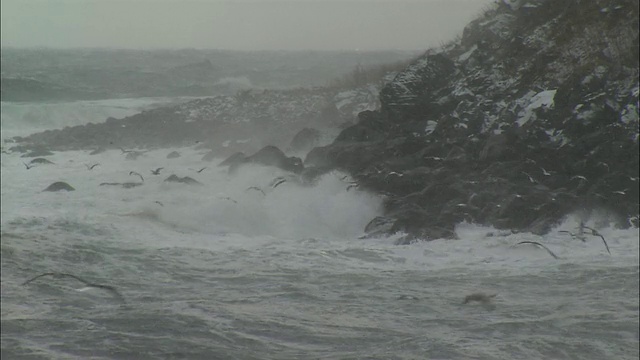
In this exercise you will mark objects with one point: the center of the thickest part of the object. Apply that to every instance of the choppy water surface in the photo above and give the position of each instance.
(219, 272)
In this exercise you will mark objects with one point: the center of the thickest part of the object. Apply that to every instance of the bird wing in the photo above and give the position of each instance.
(87, 283)
(256, 188)
(279, 182)
(37, 277)
(594, 232)
(111, 289)
(538, 244)
(605, 242)
(58, 275)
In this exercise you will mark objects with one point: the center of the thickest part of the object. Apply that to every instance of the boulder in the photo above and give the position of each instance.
(58, 186)
(182, 180)
(269, 156)
(305, 139)
(173, 155)
(210, 156)
(41, 161)
(125, 185)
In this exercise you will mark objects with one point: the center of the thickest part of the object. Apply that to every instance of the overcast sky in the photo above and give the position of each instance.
(236, 24)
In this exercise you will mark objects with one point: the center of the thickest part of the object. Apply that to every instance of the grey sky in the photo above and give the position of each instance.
(235, 24)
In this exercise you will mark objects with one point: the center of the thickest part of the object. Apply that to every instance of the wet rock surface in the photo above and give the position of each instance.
(59, 186)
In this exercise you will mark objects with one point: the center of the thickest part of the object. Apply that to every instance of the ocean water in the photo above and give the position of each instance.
(221, 271)
(24, 118)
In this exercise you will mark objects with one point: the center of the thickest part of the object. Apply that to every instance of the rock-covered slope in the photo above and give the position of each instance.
(531, 115)
(246, 122)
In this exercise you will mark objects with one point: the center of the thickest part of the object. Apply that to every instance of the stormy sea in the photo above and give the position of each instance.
(237, 268)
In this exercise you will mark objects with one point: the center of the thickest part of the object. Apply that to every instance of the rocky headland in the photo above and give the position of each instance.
(530, 115)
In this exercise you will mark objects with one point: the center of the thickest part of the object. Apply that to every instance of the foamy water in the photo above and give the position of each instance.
(221, 272)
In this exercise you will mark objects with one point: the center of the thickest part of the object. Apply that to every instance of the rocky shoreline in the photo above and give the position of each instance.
(530, 116)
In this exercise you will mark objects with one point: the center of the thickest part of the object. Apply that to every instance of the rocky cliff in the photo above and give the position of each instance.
(531, 115)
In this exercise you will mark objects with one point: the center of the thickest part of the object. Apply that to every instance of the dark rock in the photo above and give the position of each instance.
(173, 155)
(269, 156)
(126, 185)
(413, 92)
(234, 159)
(310, 175)
(210, 156)
(58, 186)
(183, 180)
(379, 226)
(40, 161)
(133, 155)
(305, 139)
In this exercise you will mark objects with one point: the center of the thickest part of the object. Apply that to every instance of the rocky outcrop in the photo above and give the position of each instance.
(268, 156)
(173, 155)
(41, 161)
(183, 180)
(530, 115)
(125, 185)
(305, 139)
(223, 125)
(59, 186)
(525, 119)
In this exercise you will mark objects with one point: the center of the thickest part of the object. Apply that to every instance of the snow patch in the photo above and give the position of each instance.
(542, 99)
(464, 57)
(431, 127)
(629, 114)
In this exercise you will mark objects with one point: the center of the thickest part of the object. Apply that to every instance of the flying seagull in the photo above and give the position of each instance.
(603, 164)
(135, 173)
(90, 167)
(227, 198)
(28, 167)
(199, 171)
(596, 233)
(531, 179)
(256, 188)
(393, 173)
(156, 171)
(538, 244)
(352, 184)
(88, 284)
(277, 181)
